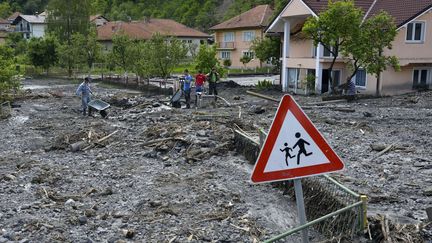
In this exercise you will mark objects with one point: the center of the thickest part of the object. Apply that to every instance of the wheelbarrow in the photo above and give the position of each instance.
(100, 106)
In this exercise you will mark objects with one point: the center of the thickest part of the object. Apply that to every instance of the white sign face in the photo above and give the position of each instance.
(294, 148)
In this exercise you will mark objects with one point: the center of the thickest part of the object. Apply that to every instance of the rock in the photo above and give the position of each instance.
(155, 204)
(9, 177)
(24, 241)
(427, 192)
(108, 191)
(82, 220)
(429, 213)
(378, 146)
(236, 97)
(90, 213)
(70, 203)
(128, 233)
(367, 114)
(201, 133)
(259, 110)
(156, 104)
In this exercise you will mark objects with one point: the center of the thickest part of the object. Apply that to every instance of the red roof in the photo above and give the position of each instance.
(402, 10)
(143, 30)
(257, 17)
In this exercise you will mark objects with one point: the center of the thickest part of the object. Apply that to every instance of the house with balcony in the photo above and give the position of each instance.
(30, 25)
(233, 38)
(412, 46)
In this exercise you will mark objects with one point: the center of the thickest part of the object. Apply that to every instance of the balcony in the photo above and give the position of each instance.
(225, 45)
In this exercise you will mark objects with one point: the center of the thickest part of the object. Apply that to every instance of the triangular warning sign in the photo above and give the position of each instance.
(294, 148)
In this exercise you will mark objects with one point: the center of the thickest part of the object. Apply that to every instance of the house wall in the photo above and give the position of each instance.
(240, 47)
(99, 21)
(413, 51)
(193, 44)
(38, 30)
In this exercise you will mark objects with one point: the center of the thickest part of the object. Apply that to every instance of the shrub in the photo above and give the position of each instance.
(264, 84)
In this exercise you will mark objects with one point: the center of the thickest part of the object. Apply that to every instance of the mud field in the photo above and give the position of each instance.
(152, 173)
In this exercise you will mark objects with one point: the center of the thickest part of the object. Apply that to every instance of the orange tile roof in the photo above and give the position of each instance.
(256, 17)
(142, 30)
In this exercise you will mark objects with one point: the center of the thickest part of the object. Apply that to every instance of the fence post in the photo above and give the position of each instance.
(364, 223)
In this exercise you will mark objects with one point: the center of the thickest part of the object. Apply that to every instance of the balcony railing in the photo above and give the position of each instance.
(226, 45)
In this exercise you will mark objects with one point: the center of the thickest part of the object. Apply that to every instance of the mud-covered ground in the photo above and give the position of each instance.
(172, 175)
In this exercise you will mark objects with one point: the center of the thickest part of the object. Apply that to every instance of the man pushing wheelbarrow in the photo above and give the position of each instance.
(85, 92)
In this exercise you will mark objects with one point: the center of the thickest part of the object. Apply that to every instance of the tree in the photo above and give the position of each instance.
(206, 58)
(66, 17)
(92, 48)
(245, 60)
(142, 64)
(165, 54)
(120, 52)
(43, 52)
(333, 28)
(267, 49)
(8, 80)
(73, 53)
(380, 31)
(5, 10)
(16, 41)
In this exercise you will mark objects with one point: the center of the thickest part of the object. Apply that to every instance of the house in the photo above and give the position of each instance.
(13, 17)
(412, 46)
(145, 29)
(4, 25)
(233, 38)
(30, 25)
(98, 20)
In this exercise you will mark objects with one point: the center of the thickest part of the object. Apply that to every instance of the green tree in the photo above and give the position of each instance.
(245, 60)
(8, 79)
(165, 54)
(142, 63)
(333, 28)
(5, 10)
(92, 49)
(16, 41)
(121, 49)
(379, 33)
(72, 54)
(267, 49)
(43, 52)
(66, 17)
(206, 58)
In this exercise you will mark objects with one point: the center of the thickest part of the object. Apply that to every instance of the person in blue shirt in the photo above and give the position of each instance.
(187, 87)
(85, 92)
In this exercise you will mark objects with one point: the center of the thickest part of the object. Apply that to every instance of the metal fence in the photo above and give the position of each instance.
(332, 209)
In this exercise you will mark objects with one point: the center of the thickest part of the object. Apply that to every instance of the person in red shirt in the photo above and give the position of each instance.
(199, 84)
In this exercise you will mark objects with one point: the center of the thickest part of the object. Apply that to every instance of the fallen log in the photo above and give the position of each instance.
(262, 96)
(388, 148)
(100, 141)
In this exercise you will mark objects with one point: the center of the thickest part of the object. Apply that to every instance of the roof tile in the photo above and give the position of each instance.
(256, 17)
(143, 30)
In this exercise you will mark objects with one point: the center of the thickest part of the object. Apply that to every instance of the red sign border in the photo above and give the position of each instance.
(259, 176)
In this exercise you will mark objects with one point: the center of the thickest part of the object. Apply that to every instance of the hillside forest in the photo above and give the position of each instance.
(200, 14)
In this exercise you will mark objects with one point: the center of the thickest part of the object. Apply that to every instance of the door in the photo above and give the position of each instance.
(326, 86)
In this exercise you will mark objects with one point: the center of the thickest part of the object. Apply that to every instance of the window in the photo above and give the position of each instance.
(421, 77)
(189, 41)
(415, 32)
(229, 37)
(225, 55)
(248, 36)
(250, 54)
(293, 77)
(360, 78)
(327, 53)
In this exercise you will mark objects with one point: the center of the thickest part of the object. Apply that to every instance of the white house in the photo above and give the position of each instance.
(30, 25)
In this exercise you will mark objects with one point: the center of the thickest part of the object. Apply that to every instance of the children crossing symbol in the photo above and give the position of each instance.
(294, 148)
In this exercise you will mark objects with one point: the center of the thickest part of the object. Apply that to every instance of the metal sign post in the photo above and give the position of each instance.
(301, 208)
